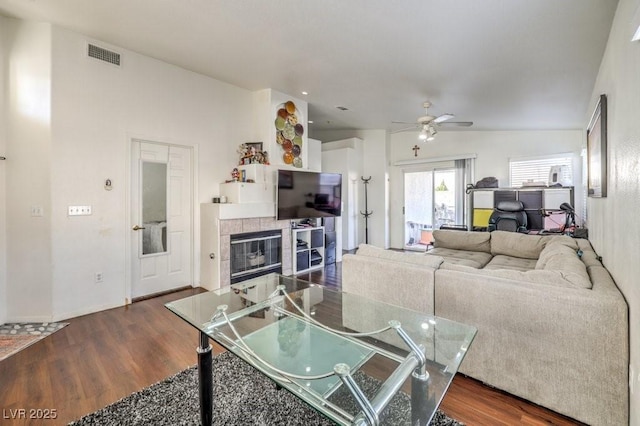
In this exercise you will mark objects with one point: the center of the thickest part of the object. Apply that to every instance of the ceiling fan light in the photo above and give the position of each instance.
(431, 133)
(423, 135)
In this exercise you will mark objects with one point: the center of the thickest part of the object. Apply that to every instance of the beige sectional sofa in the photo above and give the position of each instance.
(552, 325)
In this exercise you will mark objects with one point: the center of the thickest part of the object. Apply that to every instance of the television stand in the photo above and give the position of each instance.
(308, 251)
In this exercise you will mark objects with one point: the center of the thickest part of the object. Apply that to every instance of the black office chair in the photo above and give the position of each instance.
(508, 216)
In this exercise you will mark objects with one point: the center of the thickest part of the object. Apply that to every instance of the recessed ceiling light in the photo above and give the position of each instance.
(305, 93)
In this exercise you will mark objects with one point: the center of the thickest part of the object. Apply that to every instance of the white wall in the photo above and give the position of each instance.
(614, 228)
(373, 163)
(71, 120)
(4, 63)
(28, 173)
(98, 108)
(344, 157)
(314, 160)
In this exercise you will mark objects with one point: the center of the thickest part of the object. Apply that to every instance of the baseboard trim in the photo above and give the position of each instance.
(160, 293)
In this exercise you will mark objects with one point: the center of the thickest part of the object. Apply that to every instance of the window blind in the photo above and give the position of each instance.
(537, 170)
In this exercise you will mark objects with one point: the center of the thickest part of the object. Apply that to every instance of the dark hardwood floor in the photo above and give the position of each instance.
(100, 358)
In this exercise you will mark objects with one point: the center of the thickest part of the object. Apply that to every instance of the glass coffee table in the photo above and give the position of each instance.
(328, 347)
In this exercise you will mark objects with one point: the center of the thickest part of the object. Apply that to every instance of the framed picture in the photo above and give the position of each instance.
(256, 145)
(597, 150)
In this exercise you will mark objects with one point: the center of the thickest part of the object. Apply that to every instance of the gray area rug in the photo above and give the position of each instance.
(241, 397)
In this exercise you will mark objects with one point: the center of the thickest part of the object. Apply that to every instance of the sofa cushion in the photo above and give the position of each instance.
(474, 259)
(419, 259)
(562, 240)
(588, 255)
(564, 259)
(517, 244)
(553, 251)
(534, 276)
(462, 240)
(509, 262)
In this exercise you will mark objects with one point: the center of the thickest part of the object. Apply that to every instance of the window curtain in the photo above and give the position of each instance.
(465, 174)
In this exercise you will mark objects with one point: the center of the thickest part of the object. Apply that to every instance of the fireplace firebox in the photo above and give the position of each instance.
(255, 253)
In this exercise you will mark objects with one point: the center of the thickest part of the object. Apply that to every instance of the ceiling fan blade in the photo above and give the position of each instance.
(456, 124)
(414, 127)
(443, 117)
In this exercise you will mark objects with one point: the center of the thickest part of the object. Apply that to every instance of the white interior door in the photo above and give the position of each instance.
(161, 218)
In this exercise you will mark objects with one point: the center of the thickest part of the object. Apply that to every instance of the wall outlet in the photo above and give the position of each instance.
(37, 211)
(98, 277)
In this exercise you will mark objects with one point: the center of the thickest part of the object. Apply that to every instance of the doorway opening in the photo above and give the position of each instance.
(431, 201)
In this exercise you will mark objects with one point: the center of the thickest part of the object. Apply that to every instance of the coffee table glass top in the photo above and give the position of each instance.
(300, 334)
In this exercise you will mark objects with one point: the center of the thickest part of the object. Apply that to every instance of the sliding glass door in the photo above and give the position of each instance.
(430, 201)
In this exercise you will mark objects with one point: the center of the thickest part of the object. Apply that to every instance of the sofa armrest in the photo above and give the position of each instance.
(403, 284)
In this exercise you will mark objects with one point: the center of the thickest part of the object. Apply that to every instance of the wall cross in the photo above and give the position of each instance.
(415, 150)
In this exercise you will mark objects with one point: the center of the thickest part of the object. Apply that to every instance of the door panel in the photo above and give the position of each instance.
(177, 244)
(180, 213)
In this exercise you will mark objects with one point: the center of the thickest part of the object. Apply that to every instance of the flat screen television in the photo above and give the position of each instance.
(302, 195)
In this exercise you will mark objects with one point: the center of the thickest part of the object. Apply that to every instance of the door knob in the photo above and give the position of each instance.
(137, 228)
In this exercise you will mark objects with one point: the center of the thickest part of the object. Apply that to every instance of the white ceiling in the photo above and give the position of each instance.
(503, 64)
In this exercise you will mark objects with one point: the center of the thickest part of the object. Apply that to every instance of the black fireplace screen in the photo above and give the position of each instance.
(254, 254)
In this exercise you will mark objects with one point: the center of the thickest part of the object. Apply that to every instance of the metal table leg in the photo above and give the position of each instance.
(420, 404)
(205, 379)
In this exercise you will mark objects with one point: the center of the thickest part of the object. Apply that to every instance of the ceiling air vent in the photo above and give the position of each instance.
(104, 54)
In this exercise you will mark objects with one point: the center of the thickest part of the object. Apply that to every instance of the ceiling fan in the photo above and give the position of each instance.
(428, 123)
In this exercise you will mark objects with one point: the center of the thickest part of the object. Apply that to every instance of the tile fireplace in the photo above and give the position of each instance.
(242, 235)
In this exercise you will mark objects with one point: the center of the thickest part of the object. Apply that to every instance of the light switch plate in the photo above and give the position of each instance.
(79, 210)
(37, 211)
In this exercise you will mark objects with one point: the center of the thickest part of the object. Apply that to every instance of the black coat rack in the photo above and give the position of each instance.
(366, 212)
